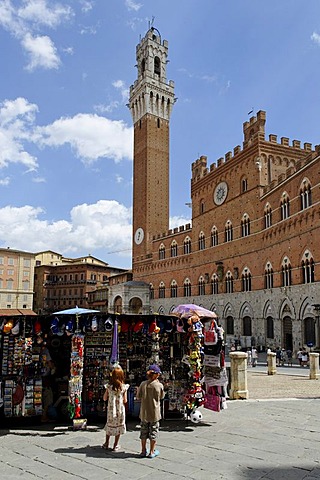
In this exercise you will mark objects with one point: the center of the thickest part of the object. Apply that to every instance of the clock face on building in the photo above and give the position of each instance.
(220, 193)
(139, 236)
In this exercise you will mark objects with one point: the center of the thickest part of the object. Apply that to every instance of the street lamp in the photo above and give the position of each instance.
(316, 307)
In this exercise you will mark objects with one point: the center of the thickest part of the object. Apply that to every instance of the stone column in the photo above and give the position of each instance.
(238, 388)
(271, 363)
(314, 366)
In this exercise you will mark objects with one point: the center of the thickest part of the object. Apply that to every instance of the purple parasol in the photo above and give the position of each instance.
(187, 310)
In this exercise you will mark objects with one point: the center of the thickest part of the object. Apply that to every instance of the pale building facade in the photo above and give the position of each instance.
(16, 280)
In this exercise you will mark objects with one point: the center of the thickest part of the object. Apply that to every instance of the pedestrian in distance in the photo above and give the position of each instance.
(150, 392)
(116, 396)
(254, 355)
(299, 356)
(283, 358)
(304, 358)
(289, 357)
(249, 355)
(278, 356)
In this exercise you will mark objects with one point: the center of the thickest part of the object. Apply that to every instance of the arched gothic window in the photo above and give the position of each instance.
(229, 282)
(162, 252)
(244, 185)
(228, 232)
(174, 249)
(202, 241)
(162, 290)
(174, 289)
(214, 284)
(246, 280)
(245, 225)
(157, 65)
(214, 237)
(187, 246)
(285, 206)
(286, 272)
(268, 276)
(201, 286)
(187, 288)
(267, 216)
(307, 267)
(305, 194)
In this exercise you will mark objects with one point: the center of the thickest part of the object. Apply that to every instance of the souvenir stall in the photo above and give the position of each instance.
(67, 357)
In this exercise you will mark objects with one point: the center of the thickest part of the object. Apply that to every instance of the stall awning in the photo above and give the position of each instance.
(14, 312)
(27, 311)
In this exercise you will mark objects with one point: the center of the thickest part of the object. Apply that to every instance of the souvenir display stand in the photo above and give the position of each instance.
(20, 370)
(215, 373)
(208, 375)
(76, 381)
(96, 364)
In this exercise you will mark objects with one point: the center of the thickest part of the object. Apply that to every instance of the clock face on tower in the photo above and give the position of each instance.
(139, 236)
(220, 193)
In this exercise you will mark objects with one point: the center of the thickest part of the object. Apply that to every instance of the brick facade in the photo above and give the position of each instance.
(251, 253)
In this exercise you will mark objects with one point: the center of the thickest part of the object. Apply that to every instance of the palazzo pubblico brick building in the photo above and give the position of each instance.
(251, 253)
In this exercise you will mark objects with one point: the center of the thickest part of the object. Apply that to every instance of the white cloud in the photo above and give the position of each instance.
(124, 91)
(24, 22)
(177, 221)
(104, 225)
(89, 30)
(316, 38)
(39, 180)
(5, 181)
(90, 136)
(135, 23)
(107, 108)
(38, 12)
(16, 121)
(41, 51)
(68, 50)
(114, 104)
(131, 5)
(86, 5)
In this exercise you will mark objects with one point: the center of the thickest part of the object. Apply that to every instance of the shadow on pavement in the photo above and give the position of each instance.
(290, 473)
(97, 452)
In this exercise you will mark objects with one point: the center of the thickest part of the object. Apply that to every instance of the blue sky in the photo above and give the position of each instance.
(66, 135)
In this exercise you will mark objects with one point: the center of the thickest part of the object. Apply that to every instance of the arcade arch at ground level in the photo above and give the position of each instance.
(268, 318)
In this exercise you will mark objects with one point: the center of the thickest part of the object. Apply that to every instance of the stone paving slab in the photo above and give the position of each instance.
(273, 436)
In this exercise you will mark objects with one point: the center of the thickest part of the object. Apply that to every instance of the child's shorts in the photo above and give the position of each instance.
(149, 430)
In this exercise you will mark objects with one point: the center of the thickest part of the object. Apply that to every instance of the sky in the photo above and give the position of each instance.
(66, 135)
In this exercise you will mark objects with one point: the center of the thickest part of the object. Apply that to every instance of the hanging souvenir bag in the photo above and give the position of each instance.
(212, 400)
(210, 335)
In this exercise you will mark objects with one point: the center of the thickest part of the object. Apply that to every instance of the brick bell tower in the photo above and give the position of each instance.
(151, 101)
